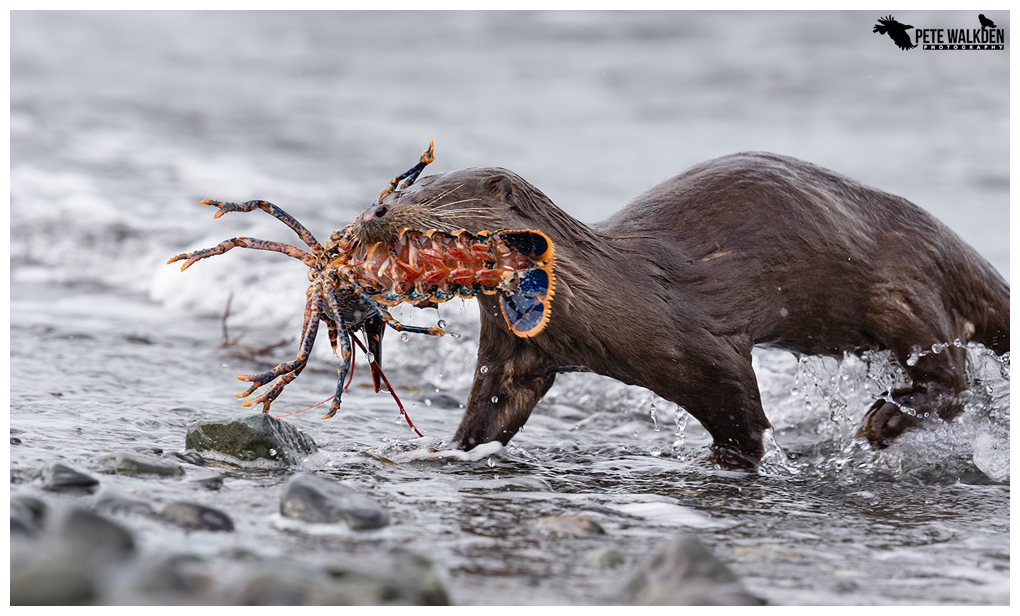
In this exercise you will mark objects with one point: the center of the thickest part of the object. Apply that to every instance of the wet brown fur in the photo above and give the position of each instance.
(673, 291)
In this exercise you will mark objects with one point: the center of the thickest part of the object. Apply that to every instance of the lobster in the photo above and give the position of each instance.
(352, 283)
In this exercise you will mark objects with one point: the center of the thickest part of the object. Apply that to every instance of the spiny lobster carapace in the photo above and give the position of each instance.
(351, 282)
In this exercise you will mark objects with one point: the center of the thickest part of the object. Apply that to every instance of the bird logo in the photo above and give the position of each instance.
(985, 22)
(896, 31)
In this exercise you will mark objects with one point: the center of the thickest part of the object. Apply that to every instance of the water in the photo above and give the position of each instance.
(121, 123)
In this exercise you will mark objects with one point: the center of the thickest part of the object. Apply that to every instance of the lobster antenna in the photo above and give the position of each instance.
(411, 174)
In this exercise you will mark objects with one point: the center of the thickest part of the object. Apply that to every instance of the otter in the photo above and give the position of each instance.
(673, 291)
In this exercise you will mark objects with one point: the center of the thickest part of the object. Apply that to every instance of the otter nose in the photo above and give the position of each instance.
(376, 211)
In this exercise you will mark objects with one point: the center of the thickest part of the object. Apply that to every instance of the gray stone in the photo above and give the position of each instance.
(197, 517)
(211, 481)
(49, 584)
(314, 499)
(31, 513)
(86, 537)
(400, 577)
(109, 501)
(133, 463)
(568, 525)
(686, 573)
(59, 477)
(396, 578)
(252, 438)
(22, 520)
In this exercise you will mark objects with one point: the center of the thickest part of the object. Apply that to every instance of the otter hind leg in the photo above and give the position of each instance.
(938, 378)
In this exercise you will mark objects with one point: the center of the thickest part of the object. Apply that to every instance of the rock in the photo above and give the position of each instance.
(685, 573)
(22, 520)
(133, 463)
(109, 501)
(396, 578)
(191, 457)
(197, 517)
(35, 508)
(59, 477)
(399, 578)
(314, 499)
(607, 558)
(49, 584)
(212, 481)
(256, 437)
(86, 537)
(568, 525)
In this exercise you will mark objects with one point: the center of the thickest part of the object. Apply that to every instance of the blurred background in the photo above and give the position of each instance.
(122, 121)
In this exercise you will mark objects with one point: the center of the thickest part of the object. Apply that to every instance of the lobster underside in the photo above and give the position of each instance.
(352, 283)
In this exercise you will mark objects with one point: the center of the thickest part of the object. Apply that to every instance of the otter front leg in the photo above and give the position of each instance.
(501, 400)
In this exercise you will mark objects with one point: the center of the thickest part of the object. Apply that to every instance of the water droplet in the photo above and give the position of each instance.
(678, 445)
(225, 365)
(655, 452)
(783, 312)
(453, 334)
(404, 337)
(428, 402)
(272, 452)
(495, 399)
(442, 324)
(370, 357)
(912, 360)
(492, 463)
(483, 369)
(808, 405)
(655, 424)
(936, 348)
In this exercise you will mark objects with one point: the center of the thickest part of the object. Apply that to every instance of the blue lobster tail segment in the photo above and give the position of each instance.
(532, 244)
(527, 308)
(525, 315)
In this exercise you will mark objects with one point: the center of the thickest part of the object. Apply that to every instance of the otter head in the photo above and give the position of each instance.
(471, 199)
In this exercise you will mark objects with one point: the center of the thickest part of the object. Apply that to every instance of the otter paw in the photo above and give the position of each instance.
(885, 421)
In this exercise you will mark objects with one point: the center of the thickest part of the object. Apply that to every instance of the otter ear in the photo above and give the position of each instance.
(501, 187)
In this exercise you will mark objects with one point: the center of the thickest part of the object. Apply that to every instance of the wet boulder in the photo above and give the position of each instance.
(323, 501)
(58, 477)
(398, 577)
(110, 501)
(259, 437)
(194, 516)
(134, 463)
(686, 573)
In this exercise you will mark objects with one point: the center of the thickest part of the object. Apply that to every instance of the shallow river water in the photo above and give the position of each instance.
(121, 123)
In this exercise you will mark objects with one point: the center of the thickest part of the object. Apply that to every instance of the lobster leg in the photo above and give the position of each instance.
(274, 211)
(288, 371)
(397, 325)
(244, 242)
(337, 314)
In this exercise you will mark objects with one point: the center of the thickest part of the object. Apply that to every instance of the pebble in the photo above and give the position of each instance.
(59, 477)
(568, 525)
(133, 463)
(22, 521)
(315, 499)
(211, 481)
(686, 573)
(109, 501)
(31, 513)
(251, 438)
(89, 538)
(197, 517)
(51, 585)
